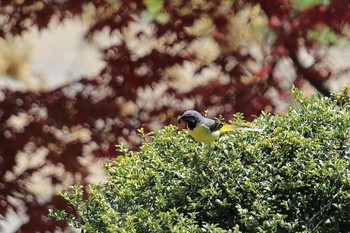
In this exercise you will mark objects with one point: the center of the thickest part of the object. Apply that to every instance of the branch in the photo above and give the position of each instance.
(312, 75)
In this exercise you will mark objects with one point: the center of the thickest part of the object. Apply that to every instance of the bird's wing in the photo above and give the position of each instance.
(213, 125)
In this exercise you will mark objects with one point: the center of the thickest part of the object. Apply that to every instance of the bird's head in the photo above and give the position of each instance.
(191, 117)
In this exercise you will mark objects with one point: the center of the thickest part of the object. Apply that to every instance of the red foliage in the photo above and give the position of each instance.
(97, 103)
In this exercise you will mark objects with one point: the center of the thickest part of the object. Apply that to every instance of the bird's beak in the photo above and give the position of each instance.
(179, 119)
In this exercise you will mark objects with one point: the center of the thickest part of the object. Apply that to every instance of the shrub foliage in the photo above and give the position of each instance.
(293, 177)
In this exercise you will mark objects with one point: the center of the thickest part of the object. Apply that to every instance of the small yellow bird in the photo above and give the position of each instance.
(203, 129)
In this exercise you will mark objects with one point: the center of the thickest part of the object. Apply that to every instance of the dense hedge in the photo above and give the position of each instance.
(293, 177)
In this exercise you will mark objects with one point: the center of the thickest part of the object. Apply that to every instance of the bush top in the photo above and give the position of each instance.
(292, 177)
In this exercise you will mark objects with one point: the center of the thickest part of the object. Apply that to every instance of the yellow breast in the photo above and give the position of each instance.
(203, 134)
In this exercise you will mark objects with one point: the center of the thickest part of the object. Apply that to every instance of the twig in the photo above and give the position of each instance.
(324, 208)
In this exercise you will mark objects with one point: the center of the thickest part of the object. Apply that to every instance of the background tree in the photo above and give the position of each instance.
(225, 56)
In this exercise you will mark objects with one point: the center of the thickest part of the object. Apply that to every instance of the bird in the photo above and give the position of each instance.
(204, 129)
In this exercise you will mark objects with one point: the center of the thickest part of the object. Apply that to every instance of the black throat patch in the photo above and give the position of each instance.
(191, 124)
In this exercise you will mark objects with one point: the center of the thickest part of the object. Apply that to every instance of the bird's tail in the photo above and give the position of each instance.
(227, 128)
(248, 129)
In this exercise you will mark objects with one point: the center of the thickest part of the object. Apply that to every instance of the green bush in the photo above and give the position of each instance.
(293, 177)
